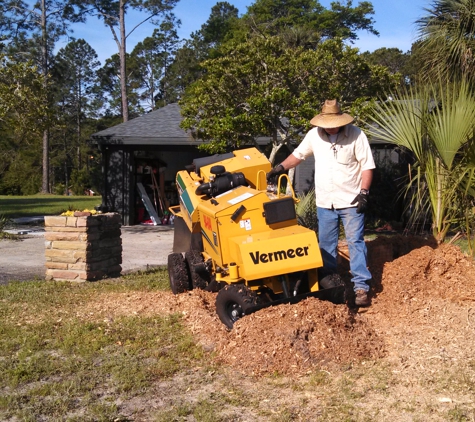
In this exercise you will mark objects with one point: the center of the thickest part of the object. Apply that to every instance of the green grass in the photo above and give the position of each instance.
(53, 364)
(61, 360)
(35, 205)
(462, 243)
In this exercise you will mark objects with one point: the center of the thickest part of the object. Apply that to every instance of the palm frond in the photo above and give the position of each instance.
(451, 124)
(306, 209)
(437, 124)
(447, 38)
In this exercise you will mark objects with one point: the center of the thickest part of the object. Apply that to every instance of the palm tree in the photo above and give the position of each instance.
(437, 124)
(447, 36)
(306, 209)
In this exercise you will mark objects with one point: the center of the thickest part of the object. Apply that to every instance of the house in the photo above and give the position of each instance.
(140, 159)
(147, 150)
(145, 153)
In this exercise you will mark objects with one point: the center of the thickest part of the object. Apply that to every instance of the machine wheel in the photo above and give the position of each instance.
(200, 277)
(329, 281)
(335, 282)
(233, 301)
(178, 273)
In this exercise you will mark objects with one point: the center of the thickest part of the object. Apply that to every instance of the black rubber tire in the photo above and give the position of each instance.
(329, 281)
(233, 302)
(335, 282)
(200, 278)
(178, 273)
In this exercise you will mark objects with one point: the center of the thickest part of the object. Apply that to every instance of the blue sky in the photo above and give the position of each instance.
(394, 21)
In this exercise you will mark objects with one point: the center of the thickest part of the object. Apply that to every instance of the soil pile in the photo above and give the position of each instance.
(422, 309)
(297, 338)
(425, 274)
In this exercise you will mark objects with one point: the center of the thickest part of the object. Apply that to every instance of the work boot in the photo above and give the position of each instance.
(361, 298)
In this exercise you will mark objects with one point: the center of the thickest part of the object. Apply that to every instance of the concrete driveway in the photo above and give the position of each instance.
(142, 247)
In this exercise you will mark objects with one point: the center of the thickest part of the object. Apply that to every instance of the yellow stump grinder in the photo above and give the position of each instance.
(237, 236)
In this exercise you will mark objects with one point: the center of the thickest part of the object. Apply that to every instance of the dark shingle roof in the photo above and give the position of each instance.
(159, 127)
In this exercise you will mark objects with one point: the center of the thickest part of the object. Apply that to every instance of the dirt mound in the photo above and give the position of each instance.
(426, 273)
(297, 338)
(293, 339)
(422, 304)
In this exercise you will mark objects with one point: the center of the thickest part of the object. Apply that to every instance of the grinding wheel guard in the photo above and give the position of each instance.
(280, 251)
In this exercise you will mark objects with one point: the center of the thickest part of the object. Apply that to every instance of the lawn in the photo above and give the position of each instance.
(36, 205)
(123, 350)
(110, 351)
(56, 366)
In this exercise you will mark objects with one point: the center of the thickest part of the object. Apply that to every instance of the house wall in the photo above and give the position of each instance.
(304, 175)
(382, 154)
(118, 171)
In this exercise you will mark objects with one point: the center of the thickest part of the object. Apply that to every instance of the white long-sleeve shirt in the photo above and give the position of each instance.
(338, 164)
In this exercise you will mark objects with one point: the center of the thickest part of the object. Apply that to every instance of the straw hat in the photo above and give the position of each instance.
(331, 116)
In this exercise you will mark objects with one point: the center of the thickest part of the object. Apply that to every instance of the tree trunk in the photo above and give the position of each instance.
(123, 68)
(45, 179)
(292, 180)
(66, 177)
(44, 47)
(78, 127)
(274, 151)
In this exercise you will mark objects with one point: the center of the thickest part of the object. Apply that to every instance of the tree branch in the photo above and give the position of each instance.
(136, 26)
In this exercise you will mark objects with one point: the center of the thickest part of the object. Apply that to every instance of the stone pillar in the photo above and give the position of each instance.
(83, 247)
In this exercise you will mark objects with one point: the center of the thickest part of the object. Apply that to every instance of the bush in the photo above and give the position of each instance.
(59, 189)
(3, 222)
(306, 210)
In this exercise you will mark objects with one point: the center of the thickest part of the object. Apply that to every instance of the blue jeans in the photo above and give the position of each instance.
(328, 230)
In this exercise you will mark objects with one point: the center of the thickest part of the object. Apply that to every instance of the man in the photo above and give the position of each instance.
(343, 173)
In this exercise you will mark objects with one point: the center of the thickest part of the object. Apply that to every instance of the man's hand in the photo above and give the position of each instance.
(362, 200)
(275, 172)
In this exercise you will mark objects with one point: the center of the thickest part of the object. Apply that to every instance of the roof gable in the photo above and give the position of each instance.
(159, 127)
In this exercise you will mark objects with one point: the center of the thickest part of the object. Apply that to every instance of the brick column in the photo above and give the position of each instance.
(83, 247)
